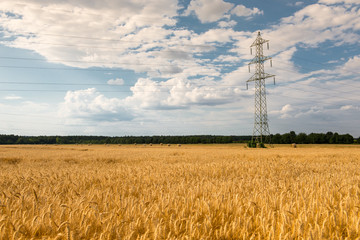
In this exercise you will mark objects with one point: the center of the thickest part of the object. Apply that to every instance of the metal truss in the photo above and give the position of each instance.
(261, 132)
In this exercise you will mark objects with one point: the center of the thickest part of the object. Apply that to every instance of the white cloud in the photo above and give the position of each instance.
(49, 29)
(140, 42)
(349, 107)
(12, 97)
(307, 28)
(134, 37)
(351, 67)
(228, 58)
(90, 104)
(178, 94)
(214, 10)
(339, 1)
(219, 35)
(286, 108)
(286, 111)
(209, 10)
(227, 24)
(117, 81)
(296, 4)
(242, 11)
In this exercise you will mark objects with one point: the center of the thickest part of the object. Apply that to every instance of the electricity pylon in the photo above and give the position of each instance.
(261, 133)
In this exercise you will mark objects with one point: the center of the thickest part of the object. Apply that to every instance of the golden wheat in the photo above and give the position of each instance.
(192, 192)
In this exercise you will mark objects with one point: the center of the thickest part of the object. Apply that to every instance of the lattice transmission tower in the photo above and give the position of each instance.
(261, 132)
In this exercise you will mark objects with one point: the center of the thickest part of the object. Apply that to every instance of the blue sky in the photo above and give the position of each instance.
(167, 67)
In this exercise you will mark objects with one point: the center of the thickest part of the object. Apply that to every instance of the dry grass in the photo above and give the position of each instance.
(192, 192)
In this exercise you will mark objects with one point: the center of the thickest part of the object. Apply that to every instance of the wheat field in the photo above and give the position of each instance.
(188, 192)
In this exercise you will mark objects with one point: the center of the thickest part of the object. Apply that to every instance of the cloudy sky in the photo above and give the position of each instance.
(176, 67)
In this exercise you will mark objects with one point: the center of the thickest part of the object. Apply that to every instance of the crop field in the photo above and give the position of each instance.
(171, 192)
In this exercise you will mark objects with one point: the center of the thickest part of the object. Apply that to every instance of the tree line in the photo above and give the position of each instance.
(196, 139)
(286, 138)
(313, 138)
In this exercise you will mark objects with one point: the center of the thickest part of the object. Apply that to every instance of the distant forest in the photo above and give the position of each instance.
(287, 138)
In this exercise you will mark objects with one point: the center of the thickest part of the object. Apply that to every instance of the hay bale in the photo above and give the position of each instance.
(293, 145)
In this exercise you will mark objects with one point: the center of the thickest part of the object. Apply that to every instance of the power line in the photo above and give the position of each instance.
(81, 69)
(168, 42)
(122, 63)
(91, 123)
(102, 62)
(57, 68)
(319, 87)
(156, 85)
(112, 48)
(203, 86)
(42, 7)
(90, 46)
(316, 62)
(302, 90)
(108, 70)
(113, 91)
(124, 85)
(84, 69)
(296, 82)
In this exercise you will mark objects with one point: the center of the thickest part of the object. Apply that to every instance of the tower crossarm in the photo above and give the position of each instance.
(256, 77)
(260, 59)
(259, 40)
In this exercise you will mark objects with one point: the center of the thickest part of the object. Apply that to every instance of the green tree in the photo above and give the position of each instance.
(334, 139)
(302, 138)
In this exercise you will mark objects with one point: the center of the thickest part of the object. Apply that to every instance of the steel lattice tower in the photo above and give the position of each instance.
(261, 133)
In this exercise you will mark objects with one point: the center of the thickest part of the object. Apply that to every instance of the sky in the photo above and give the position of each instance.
(176, 67)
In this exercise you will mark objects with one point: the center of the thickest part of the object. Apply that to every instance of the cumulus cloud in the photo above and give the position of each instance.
(227, 24)
(90, 104)
(296, 4)
(209, 10)
(349, 107)
(339, 1)
(64, 32)
(178, 94)
(351, 67)
(136, 36)
(286, 111)
(117, 81)
(348, 68)
(307, 28)
(12, 97)
(214, 10)
(316, 24)
(228, 58)
(242, 11)
(138, 40)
